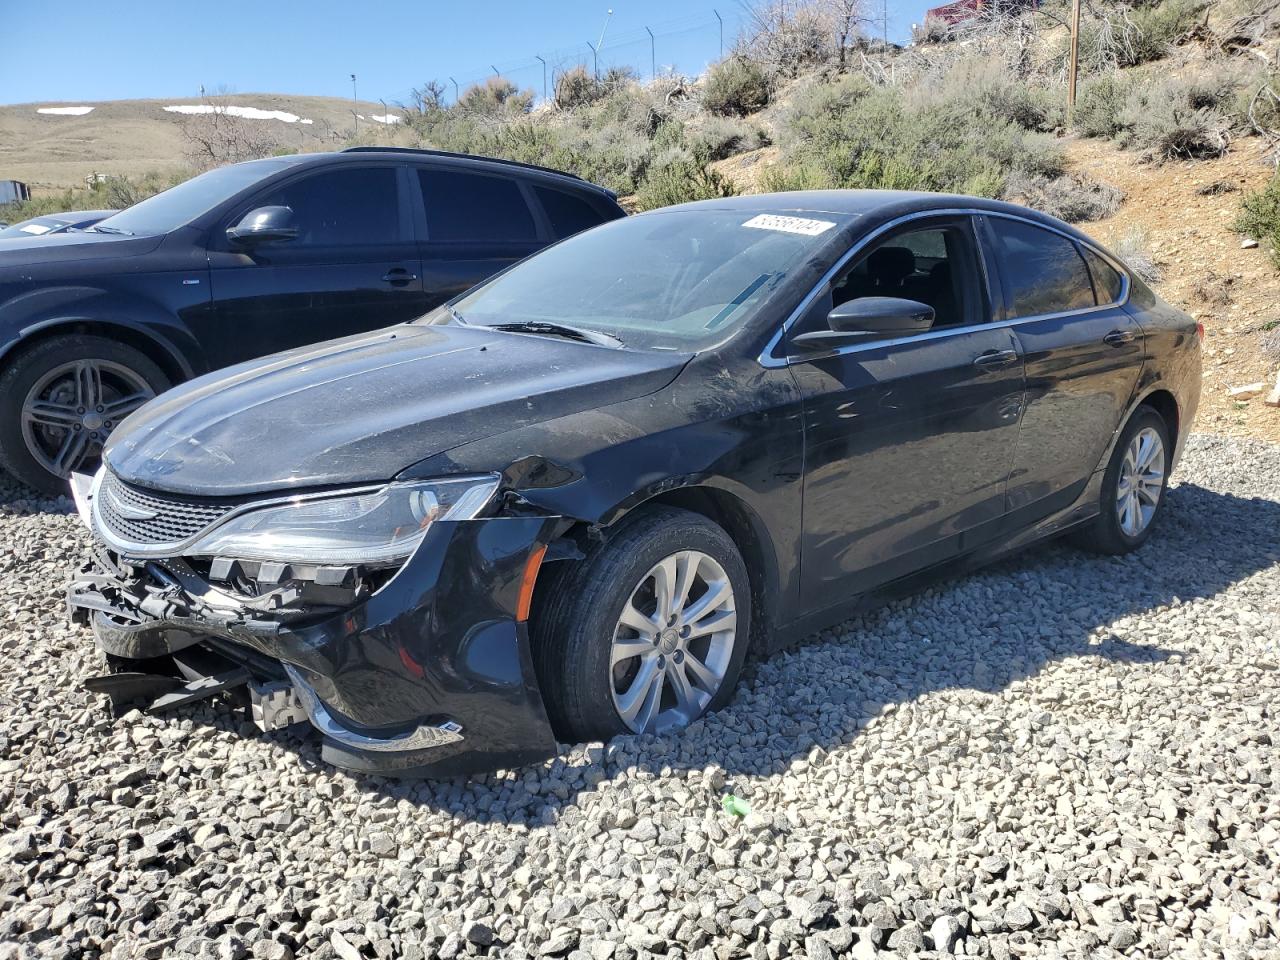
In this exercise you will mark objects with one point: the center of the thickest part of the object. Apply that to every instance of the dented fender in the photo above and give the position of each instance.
(441, 641)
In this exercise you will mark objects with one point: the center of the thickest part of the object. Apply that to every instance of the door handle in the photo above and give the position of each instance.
(399, 275)
(994, 359)
(1118, 338)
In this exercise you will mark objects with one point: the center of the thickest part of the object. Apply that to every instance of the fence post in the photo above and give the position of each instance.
(653, 56)
(544, 75)
(1074, 66)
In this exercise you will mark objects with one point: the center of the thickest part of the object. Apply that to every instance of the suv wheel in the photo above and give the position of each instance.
(1133, 488)
(59, 400)
(648, 633)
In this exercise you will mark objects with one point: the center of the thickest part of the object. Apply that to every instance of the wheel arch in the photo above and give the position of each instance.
(1163, 401)
(155, 348)
(735, 516)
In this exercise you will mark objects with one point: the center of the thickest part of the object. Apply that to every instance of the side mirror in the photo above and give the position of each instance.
(869, 318)
(263, 225)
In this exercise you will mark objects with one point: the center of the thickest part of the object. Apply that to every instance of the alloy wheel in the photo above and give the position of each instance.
(1141, 482)
(673, 643)
(68, 413)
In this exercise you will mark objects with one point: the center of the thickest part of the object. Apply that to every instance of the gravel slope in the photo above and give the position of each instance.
(1061, 756)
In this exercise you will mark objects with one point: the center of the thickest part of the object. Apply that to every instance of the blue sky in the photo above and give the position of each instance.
(149, 48)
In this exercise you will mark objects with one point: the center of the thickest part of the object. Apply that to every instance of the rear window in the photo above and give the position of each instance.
(464, 207)
(1043, 272)
(568, 214)
(1107, 282)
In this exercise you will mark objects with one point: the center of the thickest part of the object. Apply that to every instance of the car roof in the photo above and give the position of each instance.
(874, 206)
(493, 164)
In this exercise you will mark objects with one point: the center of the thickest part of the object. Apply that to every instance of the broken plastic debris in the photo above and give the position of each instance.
(735, 806)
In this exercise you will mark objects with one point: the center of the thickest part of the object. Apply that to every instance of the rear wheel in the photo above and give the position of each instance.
(61, 398)
(1133, 487)
(648, 633)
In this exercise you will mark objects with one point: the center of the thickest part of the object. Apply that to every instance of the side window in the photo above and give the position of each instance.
(1108, 285)
(342, 208)
(464, 207)
(1043, 272)
(568, 214)
(933, 265)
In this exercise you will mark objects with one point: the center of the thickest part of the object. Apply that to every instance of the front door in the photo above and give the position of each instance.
(908, 442)
(353, 266)
(1083, 354)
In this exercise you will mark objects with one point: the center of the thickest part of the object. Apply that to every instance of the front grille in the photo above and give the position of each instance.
(131, 514)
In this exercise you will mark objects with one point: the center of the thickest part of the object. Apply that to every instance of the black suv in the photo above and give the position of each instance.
(248, 260)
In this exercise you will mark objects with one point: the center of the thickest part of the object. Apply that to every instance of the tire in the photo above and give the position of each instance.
(576, 627)
(1109, 532)
(58, 373)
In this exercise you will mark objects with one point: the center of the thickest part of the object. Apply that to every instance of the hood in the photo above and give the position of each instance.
(362, 409)
(22, 252)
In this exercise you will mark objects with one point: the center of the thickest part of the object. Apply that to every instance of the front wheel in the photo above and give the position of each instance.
(648, 633)
(1133, 487)
(61, 398)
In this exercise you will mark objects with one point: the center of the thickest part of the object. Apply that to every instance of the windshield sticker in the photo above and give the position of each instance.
(801, 225)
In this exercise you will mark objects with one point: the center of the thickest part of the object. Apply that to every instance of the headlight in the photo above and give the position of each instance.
(373, 527)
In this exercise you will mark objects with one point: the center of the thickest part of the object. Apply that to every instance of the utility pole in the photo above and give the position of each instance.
(721, 19)
(456, 97)
(355, 102)
(544, 75)
(1074, 65)
(885, 27)
(653, 56)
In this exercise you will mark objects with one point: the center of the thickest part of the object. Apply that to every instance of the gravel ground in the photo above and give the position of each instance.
(1061, 756)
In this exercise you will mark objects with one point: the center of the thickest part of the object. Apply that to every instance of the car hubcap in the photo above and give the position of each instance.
(673, 643)
(69, 412)
(1141, 482)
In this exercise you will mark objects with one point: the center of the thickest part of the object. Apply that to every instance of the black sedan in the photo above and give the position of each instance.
(569, 503)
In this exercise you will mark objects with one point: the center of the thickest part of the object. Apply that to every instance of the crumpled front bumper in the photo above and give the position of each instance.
(431, 675)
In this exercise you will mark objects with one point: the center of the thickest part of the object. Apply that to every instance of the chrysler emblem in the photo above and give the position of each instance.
(126, 511)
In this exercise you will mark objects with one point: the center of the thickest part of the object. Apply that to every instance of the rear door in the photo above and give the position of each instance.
(353, 266)
(1083, 354)
(908, 441)
(471, 224)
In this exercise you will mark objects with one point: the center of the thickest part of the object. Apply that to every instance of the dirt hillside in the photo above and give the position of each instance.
(135, 137)
(1186, 211)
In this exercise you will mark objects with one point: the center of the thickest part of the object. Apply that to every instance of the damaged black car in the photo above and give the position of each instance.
(569, 503)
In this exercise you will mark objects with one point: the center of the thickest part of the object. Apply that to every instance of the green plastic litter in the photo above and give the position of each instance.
(735, 806)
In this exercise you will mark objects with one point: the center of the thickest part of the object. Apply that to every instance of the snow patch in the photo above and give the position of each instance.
(386, 118)
(248, 113)
(64, 111)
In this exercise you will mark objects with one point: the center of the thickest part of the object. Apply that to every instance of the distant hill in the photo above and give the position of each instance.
(63, 145)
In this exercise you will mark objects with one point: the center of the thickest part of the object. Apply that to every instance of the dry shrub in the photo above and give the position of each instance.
(1067, 197)
(735, 87)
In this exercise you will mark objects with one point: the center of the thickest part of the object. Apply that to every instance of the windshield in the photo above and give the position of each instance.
(677, 280)
(35, 227)
(183, 203)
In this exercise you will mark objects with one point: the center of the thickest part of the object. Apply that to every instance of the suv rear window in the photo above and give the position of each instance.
(568, 214)
(465, 207)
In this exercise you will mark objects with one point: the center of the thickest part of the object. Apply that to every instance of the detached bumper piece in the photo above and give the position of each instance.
(429, 675)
